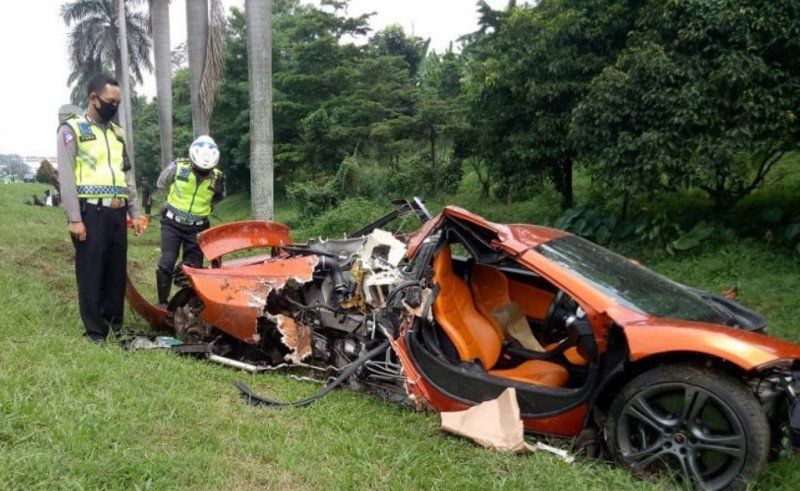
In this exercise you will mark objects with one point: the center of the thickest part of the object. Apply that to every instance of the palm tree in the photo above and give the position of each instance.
(79, 79)
(126, 115)
(259, 63)
(159, 19)
(196, 40)
(206, 49)
(94, 39)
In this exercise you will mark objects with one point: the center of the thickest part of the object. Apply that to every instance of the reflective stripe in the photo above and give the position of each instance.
(99, 160)
(183, 216)
(187, 195)
(89, 158)
(102, 191)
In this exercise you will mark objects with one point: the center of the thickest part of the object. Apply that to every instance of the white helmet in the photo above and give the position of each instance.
(204, 153)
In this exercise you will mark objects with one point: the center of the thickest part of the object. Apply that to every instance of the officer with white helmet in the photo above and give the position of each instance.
(194, 184)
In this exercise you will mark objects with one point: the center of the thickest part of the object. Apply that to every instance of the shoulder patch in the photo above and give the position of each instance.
(68, 138)
(183, 173)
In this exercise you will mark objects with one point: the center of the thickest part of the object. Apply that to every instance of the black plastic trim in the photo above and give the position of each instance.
(472, 387)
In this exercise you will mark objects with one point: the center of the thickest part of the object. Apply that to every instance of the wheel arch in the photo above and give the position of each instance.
(631, 369)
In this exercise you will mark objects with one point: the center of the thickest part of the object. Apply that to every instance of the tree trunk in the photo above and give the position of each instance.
(126, 116)
(159, 18)
(196, 45)
(433, 146)
(567, 198)
(259, 60)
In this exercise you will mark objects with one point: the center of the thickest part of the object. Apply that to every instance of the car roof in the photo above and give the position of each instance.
(517, 236)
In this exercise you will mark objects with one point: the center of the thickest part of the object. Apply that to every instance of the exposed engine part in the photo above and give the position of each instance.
(377, 286)
(247, 367)
(342, 250)
(351, 346)
(340, 285)
(325, 319)
(189, 326)
(387, 367)
(381, 251)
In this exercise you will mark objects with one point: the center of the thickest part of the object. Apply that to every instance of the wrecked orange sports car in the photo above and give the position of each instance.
(599, 348)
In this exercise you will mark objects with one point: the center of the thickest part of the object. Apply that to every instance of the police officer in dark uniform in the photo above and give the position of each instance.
(194, 185)
(98, 191)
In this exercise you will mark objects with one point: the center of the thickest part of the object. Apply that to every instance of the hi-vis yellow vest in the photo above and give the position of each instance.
(190, 199)
(100, 159)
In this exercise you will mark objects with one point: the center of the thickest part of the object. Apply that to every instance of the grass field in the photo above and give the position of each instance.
(75, 415)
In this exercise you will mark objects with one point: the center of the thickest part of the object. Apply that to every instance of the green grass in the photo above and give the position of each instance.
(76, 415)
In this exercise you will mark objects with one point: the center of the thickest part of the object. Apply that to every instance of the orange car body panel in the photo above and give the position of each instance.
(155, 316)
(236, 297)
(240, 236)
(748, 350)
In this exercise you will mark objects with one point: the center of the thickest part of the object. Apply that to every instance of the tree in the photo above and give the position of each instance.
(393, 41)
(146, 133)
(126, 114)
(259, 62)
(441, 105)
(704, 96)
(94, 42)
(529, 68)
(206, 49)
(46, 174)
(159, 18)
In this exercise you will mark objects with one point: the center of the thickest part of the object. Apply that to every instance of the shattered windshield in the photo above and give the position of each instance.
(631, 285)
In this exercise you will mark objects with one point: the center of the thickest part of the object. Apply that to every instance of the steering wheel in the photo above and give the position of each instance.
(559, 304)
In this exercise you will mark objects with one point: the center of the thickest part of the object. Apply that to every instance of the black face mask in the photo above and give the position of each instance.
(107, 110)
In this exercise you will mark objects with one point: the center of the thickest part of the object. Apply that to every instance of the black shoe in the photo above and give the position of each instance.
(96, 338)
(163, 285)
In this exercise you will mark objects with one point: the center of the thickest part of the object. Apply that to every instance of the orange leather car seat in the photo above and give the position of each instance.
(474, 336)
(490, 288)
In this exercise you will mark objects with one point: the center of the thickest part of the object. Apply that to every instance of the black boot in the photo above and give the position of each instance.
(163, 284)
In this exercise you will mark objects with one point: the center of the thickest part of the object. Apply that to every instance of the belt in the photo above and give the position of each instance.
(113, 203)
(185, 221)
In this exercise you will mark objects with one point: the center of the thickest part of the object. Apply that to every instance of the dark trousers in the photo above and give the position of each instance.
(100, 266)
(175, 236)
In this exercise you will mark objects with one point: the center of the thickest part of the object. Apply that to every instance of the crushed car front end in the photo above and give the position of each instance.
(778, 389)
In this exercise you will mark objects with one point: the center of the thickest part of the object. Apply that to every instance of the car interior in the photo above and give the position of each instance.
(504, 320)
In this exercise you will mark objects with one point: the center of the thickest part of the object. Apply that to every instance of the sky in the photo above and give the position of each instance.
(35, 67)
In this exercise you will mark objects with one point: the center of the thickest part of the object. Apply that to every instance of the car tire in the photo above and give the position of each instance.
(712, 430)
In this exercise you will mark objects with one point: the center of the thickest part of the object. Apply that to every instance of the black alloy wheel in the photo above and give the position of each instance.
(703, 424)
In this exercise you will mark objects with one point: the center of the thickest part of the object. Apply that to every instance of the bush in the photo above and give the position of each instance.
(312, 198)
(417, 175)
(347, 217)
(655, 229)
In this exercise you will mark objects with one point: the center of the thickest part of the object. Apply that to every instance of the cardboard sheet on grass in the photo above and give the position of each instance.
(496, 424)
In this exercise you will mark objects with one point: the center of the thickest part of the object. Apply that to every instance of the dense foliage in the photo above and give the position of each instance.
(706, 94)
(646, 98)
